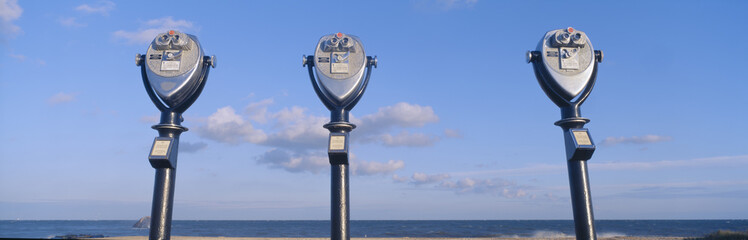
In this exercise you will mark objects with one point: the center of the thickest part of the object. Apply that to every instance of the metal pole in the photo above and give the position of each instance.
(568, 91)
(163, 189)
(581, 200)
(339, 182)
(579, 182)
(340, 213)
(163, 199)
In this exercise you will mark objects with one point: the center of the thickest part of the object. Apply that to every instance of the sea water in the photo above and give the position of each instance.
(388, 228)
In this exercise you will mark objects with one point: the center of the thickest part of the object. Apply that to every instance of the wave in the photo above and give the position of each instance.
(549, 234)
(610, 234)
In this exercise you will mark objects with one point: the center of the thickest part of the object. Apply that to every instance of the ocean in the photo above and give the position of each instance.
(389, 228)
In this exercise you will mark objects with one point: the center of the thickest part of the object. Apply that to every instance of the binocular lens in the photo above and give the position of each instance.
(578, 38)
(563, 38)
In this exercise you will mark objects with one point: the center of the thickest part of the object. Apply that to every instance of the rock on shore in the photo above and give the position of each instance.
(144, 222)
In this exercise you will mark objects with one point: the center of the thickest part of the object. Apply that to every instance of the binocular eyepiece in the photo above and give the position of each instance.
(172, 40)
(339, 42)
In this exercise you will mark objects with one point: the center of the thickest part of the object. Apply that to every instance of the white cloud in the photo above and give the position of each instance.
(294, 129)
(443, 5)
(422, 178)
(452, 133)
(9, 12)
(494, 186)
(60, 98)
(19, 57)
(258, 111)
(401, 114)
(452, 4)
(190, 147)
(101, 7)
(359, 167)
(151, 28)
(610, 141)
(298, 130)
(23, 58)
(69, 22)
(293, 134)
(317, 161)
(226, 126)
(150, 119)
(399, 179)
(294, 162)
(721, 161)
(408, 139)
(698, 162)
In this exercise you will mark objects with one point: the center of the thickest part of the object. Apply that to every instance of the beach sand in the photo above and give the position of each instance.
(405, 238)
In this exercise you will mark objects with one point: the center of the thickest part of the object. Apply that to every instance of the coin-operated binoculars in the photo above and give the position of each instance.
(342, 69)
(565, 65)
(174, 70)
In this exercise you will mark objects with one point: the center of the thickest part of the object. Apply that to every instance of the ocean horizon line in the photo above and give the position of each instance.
(607, 219)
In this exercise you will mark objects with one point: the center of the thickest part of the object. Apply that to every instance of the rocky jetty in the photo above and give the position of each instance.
(144, 222)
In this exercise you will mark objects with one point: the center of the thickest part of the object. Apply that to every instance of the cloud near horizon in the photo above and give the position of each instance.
(539, 169)
(443, 181)
(650, 138)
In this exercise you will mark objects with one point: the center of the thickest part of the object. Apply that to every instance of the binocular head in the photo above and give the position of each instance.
(174, 66)
(565, 64)
(340, 61)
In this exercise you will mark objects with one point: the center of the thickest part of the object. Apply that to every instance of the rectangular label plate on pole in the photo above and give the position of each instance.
(579, 145)
(337, 148)
(160, 156)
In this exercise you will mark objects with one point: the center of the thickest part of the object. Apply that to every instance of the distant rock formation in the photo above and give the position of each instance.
(144, 222)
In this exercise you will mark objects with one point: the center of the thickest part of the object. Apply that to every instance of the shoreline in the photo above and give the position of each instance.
(396, 238)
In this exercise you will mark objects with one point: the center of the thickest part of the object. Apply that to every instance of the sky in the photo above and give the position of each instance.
(453, 124)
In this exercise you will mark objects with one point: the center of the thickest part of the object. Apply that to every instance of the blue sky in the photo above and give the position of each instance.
(453, 124)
